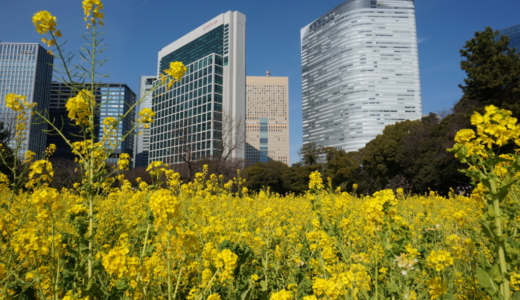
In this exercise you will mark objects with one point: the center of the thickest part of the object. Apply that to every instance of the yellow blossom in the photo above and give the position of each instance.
(44, 22)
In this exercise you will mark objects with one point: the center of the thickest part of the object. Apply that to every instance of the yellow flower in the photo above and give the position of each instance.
(15, 102)
(110, 122)
(123, 162)
(436, 287)
(146, 116)
(439, 260)
(515, 281)
(176, 70)
(315, 182)
(464, 135)
(44, 22)
(282, 295)
(3, 271)
(80, 107)
(214, 296)
(92, 8)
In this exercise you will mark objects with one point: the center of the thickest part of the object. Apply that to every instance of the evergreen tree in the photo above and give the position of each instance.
(493, 73)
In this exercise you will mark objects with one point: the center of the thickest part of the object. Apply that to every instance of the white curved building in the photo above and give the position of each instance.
(360, 72)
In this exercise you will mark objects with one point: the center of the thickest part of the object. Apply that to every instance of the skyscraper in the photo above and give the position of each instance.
(513, 33)
(58, 115)
(360, 72)
(26, 69)
(201, 116)
(142, 146)
(114, 100)
(267, 119)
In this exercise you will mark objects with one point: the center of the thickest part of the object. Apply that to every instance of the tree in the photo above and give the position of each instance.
(493, 72)
(66, 173)
(231, 138)
(341, 167)
(272, 175)
(6, 153)
(380, 157)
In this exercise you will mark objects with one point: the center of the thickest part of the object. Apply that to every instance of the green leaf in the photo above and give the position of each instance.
(392, 287)
(121, 285)
(486, 280)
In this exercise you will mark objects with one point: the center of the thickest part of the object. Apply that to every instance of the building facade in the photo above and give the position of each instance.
(267, 119)
(513, 33)
(58, 115)
(26, 69)
(142, 146)
(113, 99)
(200, 117)
(360, 72)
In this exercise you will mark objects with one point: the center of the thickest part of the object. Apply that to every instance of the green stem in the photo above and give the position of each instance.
(504, 286)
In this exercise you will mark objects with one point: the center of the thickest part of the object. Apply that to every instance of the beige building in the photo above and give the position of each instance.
(267, 119)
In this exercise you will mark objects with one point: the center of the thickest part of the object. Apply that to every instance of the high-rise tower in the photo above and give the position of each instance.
(360, 72)
(203, 115)
(267, 119)
(26, 69)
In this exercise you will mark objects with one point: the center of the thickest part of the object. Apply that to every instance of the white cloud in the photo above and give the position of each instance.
(420, 40)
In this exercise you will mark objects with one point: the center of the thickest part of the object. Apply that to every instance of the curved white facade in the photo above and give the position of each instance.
(360, 72)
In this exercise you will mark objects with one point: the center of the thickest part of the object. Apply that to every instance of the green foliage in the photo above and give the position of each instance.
(493, 72)
(7, 157)
(272, 174)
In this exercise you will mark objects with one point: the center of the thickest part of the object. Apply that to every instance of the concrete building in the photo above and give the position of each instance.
(114, 100)
(360, 72)
(142, 146)
(26, 69)
(267, 119)
(200, 116)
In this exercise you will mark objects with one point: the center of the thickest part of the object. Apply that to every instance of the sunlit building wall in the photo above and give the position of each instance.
(360, 72)
(26, 69)
(267, 119)
(192, 115)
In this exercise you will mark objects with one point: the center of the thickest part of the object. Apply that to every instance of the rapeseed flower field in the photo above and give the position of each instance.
(213, 240)
(209, 239)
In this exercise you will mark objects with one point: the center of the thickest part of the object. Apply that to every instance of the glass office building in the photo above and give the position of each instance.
(200, 116)
(114, 100)
(26, 69)
(360, 72)
(513, 33)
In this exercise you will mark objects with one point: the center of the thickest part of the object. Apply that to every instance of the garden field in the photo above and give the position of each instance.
(202, 241)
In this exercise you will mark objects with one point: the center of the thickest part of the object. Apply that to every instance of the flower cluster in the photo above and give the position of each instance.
(81, 107)
(175, 73)
(439, 260)
(146, 115)
(18, 102)
(315, 182)
(92, 11)
(46, 23)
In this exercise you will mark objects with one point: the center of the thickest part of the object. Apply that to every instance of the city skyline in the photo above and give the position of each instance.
(272, 38)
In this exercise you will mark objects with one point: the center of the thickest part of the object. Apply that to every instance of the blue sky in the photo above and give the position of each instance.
(137, 29)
